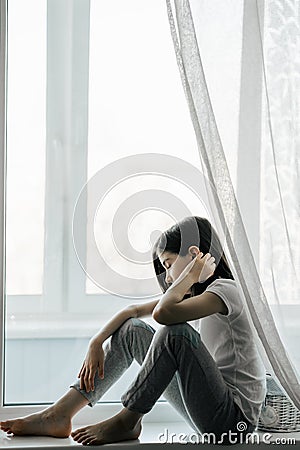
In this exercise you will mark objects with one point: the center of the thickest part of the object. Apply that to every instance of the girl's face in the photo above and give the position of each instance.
(174, 264)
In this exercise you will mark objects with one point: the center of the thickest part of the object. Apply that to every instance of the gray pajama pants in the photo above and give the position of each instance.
(174, 362)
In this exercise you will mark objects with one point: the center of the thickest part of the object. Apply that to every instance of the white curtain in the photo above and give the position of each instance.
(274, 126)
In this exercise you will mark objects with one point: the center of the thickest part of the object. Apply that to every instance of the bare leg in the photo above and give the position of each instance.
(54, 421)
(130, 341)
(123, 426)
(210, 402)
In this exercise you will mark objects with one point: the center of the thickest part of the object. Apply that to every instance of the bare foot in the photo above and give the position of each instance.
(106, 432)
(45, 423)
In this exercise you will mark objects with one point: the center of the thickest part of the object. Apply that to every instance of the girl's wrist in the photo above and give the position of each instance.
(192, 278)
(182, 285)
(97, 341)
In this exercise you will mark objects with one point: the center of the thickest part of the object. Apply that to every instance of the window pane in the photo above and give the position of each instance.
(136, 106)
(26, 155)
(26, 146)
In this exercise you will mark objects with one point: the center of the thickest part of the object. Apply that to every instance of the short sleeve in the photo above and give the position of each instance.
(226, 289)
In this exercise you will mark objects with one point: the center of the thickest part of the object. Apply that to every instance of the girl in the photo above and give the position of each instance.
(213, 376)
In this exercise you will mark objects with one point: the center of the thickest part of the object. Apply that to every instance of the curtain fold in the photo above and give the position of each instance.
(223, 195)
(280, 46)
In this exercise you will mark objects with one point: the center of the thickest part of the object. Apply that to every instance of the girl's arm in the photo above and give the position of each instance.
(190, 309)
(94, 360)
(120, 317)
(173, 309)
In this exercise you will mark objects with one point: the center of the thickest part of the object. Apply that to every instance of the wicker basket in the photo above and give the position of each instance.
(278, 413)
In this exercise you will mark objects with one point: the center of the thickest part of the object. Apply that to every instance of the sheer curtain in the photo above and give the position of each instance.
(265, 261)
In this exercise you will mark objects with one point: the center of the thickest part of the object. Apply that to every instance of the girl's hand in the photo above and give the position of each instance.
(203, 267)
(94, 362)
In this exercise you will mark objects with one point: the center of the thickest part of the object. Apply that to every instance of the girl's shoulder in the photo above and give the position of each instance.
(224, 283)
(227, 290)
(224, 280)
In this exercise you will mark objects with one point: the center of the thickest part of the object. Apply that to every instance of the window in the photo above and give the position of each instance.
(74, 105)
(90, 84)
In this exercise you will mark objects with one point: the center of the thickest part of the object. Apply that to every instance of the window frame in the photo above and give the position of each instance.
(66, 150)
(161, 410)
(3, 81)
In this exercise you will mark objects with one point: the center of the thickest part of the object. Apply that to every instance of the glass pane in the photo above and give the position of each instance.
(26, 139)
(26, 134)
(136, 106)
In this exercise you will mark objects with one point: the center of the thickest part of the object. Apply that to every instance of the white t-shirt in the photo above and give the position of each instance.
(230, 341)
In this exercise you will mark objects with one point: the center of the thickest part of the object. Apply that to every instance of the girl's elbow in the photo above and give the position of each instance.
(161, 316)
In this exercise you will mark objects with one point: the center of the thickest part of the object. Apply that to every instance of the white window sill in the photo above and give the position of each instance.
(58, 326)
(152, 433)
(47, 328)
(75, 325)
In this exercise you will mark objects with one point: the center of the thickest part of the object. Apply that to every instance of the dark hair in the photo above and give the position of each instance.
(197, 231)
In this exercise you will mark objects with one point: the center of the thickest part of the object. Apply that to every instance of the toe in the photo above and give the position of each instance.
(4, 423)
(82, 438)
(79, 430)
(86, 441)
(77, 433)
(76, 436)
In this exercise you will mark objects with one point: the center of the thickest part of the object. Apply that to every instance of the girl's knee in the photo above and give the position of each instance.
(134, 324)
(178, 331)
(176, 328)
